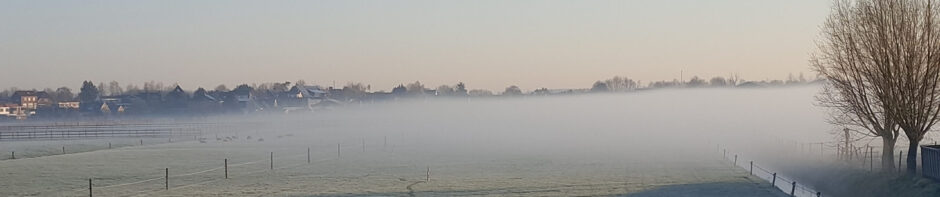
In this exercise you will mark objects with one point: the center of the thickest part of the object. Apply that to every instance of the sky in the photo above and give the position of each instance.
(486, 44)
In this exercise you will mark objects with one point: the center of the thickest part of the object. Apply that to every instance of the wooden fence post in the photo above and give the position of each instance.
(793, 189)
(13, 155)
(167, 175)
(308, 154)
(90, 193)
(774, 181)
(272, 160)
(752, 167)
(226, 168)
(735, 163)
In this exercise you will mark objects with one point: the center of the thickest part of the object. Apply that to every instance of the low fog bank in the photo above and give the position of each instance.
(603, 144)
(662, 125)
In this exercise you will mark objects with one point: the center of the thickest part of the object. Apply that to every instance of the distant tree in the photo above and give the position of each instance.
(259, 89)
(242, 89)
(696, 82)
(399, 90)
(718, 82)
(63, 94)
(734, 80)
(280, 87)
(356, 90)
(6, 94)
(600, 86)
(300, 83)
(512, 91)
(480, 93)
(131, 89)
(415, 88)
(461, 89)
(221, 88)
(620, 84)
(114, 89)
(103, 90)
(153, 86)
(664, 84)
(445, 90)
(541, 91)
(89, 93)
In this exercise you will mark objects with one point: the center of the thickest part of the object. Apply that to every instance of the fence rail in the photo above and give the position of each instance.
(786, 184)
(60, 131)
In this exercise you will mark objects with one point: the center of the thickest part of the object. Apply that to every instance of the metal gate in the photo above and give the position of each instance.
(930, 161)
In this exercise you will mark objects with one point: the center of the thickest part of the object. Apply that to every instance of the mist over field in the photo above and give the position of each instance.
(602, 125)
(641, 144)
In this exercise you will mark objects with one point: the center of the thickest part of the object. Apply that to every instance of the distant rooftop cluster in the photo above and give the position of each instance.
(113, 101)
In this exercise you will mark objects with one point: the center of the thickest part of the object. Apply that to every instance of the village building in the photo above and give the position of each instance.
(69, 105)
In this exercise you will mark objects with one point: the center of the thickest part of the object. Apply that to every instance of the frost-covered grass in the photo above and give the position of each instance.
(395, 170)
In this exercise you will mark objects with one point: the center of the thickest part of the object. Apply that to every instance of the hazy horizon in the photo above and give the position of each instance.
(485, 44)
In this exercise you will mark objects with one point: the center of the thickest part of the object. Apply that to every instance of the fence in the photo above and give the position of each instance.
(98, 130)
(226, 169)
(786, 184)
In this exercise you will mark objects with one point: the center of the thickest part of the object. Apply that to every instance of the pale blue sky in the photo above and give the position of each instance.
(487, 44)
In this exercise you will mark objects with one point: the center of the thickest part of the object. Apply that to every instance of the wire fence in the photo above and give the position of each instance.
(784, 183)
(159, 182)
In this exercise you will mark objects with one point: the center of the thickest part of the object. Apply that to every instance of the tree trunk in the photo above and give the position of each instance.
(887, 154)
(912, 157)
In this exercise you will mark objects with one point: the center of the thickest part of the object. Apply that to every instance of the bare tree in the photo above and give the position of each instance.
(445, 90)
(153, 86)
(114, 88)
(718, 82)
(221, 88)
(734, 79)
(856, 92)
(415, 88)
(131, 89)
(911, 29)
(696, 82)
(102, 91)
(882, 61)
(356, 90)
(480, 93)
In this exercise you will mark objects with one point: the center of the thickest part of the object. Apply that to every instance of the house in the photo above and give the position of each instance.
(175, 100)
(28, 99)
(151, 98)
(69, 105)
(302, 97)
(7, 109)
